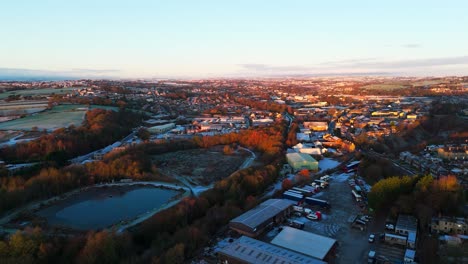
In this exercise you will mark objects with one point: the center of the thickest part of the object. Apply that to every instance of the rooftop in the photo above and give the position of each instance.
(263, 212)
(407, 222)
(254, 251)
(300, 157)
(304, 242)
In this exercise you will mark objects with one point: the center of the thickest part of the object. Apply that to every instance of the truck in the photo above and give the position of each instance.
(293, 196)
(371, 257)
(296, 224)
(302, 190)
(357, 189)
(321, 183)
(325, 178)
(356, 196)
(319, 202)
(294, 191)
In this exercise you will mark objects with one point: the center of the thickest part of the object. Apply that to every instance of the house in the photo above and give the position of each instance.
(449, 225)
(316, 126)
(454, 152)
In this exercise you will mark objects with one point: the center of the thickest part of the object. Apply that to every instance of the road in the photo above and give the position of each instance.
(90, 155)
(248, 162)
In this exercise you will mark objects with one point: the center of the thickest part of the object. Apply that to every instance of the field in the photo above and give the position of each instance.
(58, 117)
(385, 86)
(35, 92)
(428, 82)
(199, 166)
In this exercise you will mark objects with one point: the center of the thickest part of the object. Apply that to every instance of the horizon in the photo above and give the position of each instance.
(208, 39)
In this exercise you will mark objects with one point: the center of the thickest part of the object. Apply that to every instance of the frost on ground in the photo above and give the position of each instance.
(327, 163)
(342, 177)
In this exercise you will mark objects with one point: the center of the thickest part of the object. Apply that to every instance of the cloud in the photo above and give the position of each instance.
(366, 66)
(95, 71)
(412, 46)
(272, 68)
(414, 63)
(31, 74)
(318, 70)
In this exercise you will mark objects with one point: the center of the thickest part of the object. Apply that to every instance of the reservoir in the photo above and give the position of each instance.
(100, 207)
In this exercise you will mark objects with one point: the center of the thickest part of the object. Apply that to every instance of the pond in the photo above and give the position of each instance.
(100, 207)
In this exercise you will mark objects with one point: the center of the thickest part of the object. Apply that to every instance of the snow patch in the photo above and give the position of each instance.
(327, 163)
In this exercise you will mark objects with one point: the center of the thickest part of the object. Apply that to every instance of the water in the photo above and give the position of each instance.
(98, 208)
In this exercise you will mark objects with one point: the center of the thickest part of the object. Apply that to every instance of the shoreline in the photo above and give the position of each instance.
(34, 207)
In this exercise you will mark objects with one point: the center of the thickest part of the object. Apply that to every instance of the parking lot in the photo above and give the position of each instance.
(353, 245)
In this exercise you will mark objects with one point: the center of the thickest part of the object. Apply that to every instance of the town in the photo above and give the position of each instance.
(265, 170)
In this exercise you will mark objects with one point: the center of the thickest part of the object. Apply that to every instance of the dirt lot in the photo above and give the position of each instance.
(200, 166)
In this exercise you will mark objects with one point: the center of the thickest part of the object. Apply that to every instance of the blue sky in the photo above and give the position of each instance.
(197, 38)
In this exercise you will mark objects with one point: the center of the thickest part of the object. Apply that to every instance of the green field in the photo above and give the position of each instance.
(58, 117)
(384, 86)
(428, 82)
(34, 92)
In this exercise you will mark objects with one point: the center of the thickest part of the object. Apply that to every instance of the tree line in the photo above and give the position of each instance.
(174, 235)
(99, 129)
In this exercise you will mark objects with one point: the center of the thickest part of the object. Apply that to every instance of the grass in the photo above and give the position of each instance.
(57, 117)
(35, 92)
(384, 86)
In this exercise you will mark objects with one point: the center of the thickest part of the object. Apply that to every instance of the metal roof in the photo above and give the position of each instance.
(251, 250)
(407, 222)
(304, 242)
(300, 157)
(263, 212)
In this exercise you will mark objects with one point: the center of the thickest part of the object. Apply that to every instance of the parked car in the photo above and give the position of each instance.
(371, 238)
(389, 227)
(360, 222)
(312, 217)
(363, 218)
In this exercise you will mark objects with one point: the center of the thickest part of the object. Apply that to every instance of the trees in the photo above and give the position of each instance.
(419, 195)
(227, 150)
(143, 134)
(104, 247)
(99, 129)
(286, 184)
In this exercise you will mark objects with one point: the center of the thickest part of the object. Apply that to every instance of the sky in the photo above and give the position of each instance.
(232, 38)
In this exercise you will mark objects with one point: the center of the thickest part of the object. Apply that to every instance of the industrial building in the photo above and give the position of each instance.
(406, 224)
(161, 129)
(253, 222)
(300, 161)
(249, 250)
(310, 244)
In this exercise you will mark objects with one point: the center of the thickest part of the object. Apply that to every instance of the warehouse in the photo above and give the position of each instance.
(406, 224)
(300, 161)
(161, 129)
(252, 223)
(249, 250)
(310, 244)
